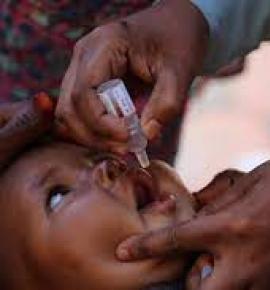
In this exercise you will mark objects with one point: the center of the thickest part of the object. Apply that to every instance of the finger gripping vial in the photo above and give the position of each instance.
(117, 101)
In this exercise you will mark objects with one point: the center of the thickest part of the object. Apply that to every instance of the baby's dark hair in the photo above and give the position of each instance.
(39, 143)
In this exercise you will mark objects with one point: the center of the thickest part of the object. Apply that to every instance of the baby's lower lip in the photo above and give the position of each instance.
(164, 205)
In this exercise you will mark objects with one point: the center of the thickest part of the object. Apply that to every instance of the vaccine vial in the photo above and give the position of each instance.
(116, 99)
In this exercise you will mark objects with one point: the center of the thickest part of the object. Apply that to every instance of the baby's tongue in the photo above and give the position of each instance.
(171, 187)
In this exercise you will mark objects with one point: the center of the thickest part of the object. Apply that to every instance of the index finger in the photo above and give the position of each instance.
(218, 187)
(29, 121)
(201, 234)
(8, 110)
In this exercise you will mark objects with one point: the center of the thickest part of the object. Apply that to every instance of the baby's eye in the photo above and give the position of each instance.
(56, 196)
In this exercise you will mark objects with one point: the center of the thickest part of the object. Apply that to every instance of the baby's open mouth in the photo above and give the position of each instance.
(147, 195)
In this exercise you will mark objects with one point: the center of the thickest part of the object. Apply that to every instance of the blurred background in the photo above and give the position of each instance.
(228, 123)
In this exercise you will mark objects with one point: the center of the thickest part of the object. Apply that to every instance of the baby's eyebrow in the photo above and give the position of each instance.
(46, 176)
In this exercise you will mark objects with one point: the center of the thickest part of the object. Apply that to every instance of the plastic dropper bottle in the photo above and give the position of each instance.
(116, 98)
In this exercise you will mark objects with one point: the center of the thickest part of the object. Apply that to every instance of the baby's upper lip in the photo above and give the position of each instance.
(145, 190)
(146, 193)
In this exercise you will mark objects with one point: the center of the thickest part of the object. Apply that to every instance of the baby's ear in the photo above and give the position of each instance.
(21, 123)
(217, 187)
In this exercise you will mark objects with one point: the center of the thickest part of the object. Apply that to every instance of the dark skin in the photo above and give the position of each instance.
(220, 207)
(161, 48)
(38, 205)
(58, 188)
(233, 228)
(177, 50)
(72, 208)
(165, 57)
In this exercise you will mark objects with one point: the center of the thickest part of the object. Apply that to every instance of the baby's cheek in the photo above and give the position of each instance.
(80, 248)
(113, 231)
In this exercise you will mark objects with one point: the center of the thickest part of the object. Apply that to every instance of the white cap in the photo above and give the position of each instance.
(114, 94)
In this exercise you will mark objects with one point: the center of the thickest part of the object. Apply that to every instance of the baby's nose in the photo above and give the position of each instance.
(108, 171)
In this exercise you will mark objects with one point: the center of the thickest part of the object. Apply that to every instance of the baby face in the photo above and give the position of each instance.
(65, 211)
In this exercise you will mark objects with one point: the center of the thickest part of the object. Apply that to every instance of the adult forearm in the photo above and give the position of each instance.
(236, 28)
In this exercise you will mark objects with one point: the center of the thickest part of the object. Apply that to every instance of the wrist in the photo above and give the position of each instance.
(169, 14)
(184, 13)
(196, 33)
(171, 32)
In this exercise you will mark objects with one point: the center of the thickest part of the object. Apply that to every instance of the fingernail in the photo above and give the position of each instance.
(206, 272)
(44, 103)
(123, 253)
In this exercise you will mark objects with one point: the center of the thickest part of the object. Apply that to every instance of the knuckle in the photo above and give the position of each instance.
(208, 209)
(94, 76)
(142, 248)
(172, 241)
(110, 30)
(262, 170)
(228, 174)
(78, 46)
(171, 106)
(101, 30)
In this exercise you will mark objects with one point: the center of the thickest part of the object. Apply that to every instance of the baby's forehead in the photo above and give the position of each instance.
(50, 153)
(39, 158)
(54, 151)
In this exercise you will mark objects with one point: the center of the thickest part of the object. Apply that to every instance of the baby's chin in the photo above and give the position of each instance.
(176, 203)
(172, 285)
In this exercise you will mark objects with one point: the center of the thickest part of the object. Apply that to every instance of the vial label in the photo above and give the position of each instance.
(107, 101)
(117, 101)
(122, 98)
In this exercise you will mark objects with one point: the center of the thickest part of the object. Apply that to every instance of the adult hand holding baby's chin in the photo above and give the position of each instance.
(233, 225)
(23, 122)
(163, 46)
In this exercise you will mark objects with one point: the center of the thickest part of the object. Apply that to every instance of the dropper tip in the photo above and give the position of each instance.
(143, 159)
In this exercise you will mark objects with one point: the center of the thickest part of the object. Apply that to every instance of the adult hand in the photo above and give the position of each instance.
(21, 123)
(234, 229)
(163, 46)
